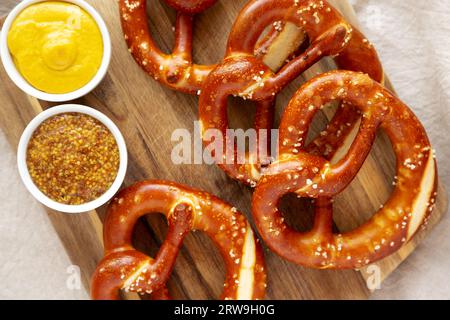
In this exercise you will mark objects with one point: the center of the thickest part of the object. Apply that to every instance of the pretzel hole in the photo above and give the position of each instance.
(205, 268)
(211, 24)
(321, 120)
(161, 20)
(198, 273)
(149, 233)
(207, 25)
(241, 115)
(298, 212)
(371, 188)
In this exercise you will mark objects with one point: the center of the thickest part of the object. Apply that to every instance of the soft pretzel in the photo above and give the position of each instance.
(328, 32)
(312, 176)
(186, 210)
(175, 70)
(245, 75)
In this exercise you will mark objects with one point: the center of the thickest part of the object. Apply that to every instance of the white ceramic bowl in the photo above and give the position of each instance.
(23, 168)
(23, 84)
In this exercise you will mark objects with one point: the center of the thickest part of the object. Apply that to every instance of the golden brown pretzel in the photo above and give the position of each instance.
(186, 210)
(175, 70)
(311, 176)
(242, 74)
(328, 32)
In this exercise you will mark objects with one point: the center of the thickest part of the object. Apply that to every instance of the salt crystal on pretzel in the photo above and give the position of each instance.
(177, 70)
(125, 268)
(314, 176)
(244, 74)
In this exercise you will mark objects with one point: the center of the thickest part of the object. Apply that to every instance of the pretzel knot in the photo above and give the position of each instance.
(243, 74)
(297, 171)
(124, 268)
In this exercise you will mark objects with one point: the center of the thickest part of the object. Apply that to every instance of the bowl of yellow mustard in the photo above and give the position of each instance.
(55, 50)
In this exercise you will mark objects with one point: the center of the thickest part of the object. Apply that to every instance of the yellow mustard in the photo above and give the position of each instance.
(56, 46)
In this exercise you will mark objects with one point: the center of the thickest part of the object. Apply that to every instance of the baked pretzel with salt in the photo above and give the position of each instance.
(312, 176)
(125, 268)
(175, 70)
(243, 74)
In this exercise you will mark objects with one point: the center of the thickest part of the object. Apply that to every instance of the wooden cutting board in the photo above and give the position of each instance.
(147, 114)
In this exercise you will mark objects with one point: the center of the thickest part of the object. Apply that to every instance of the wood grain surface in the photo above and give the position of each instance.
(6, 6)
(147, 114)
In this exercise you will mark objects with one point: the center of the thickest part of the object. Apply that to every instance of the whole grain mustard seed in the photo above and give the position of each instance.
(73, 158)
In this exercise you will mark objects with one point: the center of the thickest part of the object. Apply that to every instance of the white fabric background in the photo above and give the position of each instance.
(413, 39)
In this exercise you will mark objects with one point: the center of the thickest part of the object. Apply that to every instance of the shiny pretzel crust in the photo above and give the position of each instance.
(186, 210)
(242, 74)
(313, 176)
(175, 70)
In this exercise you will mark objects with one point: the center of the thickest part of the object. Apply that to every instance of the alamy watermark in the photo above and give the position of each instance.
(73, 281)
(216, 147)
(373, 280)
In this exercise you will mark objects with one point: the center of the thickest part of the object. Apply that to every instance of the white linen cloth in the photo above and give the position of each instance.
(413, 39)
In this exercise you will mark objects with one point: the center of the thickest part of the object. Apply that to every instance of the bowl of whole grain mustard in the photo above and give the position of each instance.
(72, 158)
